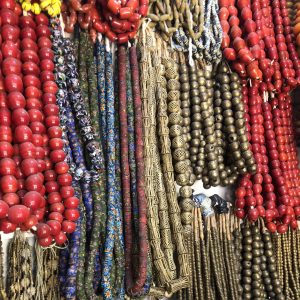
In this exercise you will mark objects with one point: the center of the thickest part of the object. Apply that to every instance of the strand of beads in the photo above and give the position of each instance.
(33, 85)
(113, 269)
(292, 172)
(237, 248)
(281, 198)
(210, 172)
(143, 242)
(167, 167)
(118, 20)
(160, 233)
(184, 176)
(7, 150)
(260, 277)
(195, 126)
(220, 137)
(269, 51)
(217, 127)
(31, 142)
(80, 173)
(184, 104)
(285, 245)
(119, 241)
(152, 201)
(94, 152)
(51, 110)
(182, 167)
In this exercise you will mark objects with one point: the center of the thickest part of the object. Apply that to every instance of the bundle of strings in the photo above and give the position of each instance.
(214, 272)
(287, 255)
(20, 284)
(46, 277)
(3, 295)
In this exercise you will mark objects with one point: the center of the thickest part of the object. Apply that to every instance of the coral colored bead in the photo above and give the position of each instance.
(33, 92)
(22, 134)
(33, 183)
(54, 197)
(61, 168)
(71, 214)
(50, 175)
(29, 166)
(57, 207)
(20, 117)
(240, 213)
(282, 228)
(35, 115)
(33, 103)
(5, 134)
(240, 192)
(257, 189)
(60, 238)
(271, 227)
(32, 200)
(68, 226)
(259, 199)
(67, 191)
(51, 186)
(5, 117)
(253, 214)
(64, 179)
(51, 109)
(47, 65)
(57, 156)
(13, 83)
(7, 166)
(6, 150)
(52, 121)
(41, 165)
(31, 80)
(55, 132)
(8, 184)
(56, 144)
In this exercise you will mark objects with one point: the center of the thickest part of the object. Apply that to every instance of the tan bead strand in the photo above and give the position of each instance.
(168, 171)
(148, 110)
(182, 166)
(165, 233)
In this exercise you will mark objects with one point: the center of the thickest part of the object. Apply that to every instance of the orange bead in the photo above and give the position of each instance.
(298, 40)
(297, 29)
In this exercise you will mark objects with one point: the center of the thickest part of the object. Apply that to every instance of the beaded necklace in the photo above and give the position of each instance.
(112, 210)
(96, 159)
(80, 173)
(119, 238)
(140, 173)
(95, 116)
(82, 68)
(156, 196)
(100, 53)
(126, 131)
